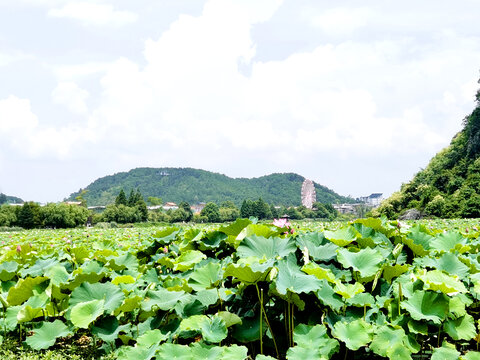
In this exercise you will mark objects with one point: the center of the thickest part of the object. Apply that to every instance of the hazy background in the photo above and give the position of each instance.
(355, 96)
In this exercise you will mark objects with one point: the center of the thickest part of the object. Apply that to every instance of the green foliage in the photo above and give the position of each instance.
(211, 212)
(449, 186)
(193, 186)
(361, 290)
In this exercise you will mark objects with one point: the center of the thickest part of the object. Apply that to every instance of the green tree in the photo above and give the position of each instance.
(152, 200)
(185, 206)
(247, 209)
(211, 212)
(29, 215)
(3, 198)
(132, 198)
(121, 198)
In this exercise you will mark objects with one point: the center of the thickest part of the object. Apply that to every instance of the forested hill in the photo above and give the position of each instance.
(5, 199)
(450, 185)
(193, 186)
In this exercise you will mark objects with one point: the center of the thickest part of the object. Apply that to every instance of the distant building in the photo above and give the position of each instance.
(78, 203)
(373, 199)
(155, 207)
(170, 206)
(197, 208)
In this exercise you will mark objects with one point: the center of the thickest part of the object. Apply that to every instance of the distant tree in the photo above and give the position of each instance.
(81, 197)
(247, 209)
(274, 211)
(294, 214)
(152, 200)
(8, 216)
(29, 215)
(211, 212)
(185, 206)
(261, 209)
(132, 198)
(3, 198)
(121, 198)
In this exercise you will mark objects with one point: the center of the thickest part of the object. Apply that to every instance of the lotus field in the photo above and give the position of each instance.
(369, 289)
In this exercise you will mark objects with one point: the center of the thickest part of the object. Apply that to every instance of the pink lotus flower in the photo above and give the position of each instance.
(281, 223)
(19, 248)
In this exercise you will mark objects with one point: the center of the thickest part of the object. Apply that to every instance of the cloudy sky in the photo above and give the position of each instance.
(357, 96)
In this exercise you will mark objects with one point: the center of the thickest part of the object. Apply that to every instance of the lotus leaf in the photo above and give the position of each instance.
(291, 278)
(427, 305)
(366, 261)
(84, 313)
(312, 342)
(354, 334)
(46, 335)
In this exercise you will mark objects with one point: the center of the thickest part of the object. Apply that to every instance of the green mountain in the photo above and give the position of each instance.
(193, 186)
(449, 187)
(5, 199)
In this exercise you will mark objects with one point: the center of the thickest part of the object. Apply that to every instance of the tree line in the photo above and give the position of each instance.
(133, 209)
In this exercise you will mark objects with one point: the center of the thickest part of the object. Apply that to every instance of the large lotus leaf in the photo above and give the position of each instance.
(234, 352)
(249, 329)
(445, 353)
(390, 272)
(163, 299)
(84, 313)
(319, 272)
(129, 304)
(33, 308)
(259, 230)
(418, 241)
(90, 271)
(361, 300)
(10, 321)
(373, 223)
(399, 352)
(229, 318)
(169, 351)
(23, 290)
(214, 330)
(354, 334)
(264, 357)
(208, 297)
(348, 290)
(151, 337)
(439, 281)
(328, 297)
(111, 294)
(366, 261)
(312, 342)
(462, 328)
(123, 261)
(319, 248)
(123, 279)
(8, 270)
(245, 273)
(385, 338)
(343, 236)
(108, 328)
(471, 355)
(46, 335)
(451, 265)
(291, 278)
(427, 305)
(447, 241)
(236, 227)
(269, 248)
(39, 268)
(206, 277)
(166, 235)
(143, 353)
(207, 352)
(188, 259)
(58, 275)
(418, 327)
(213, 240)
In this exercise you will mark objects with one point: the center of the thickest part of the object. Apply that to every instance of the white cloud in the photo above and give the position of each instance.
(341, 20)
(79, 71)
(16, 116)
(94, 14)
(70, 95)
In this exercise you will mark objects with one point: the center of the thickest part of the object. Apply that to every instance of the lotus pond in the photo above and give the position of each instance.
(368, 289)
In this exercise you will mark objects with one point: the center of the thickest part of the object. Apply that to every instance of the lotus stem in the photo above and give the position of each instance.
(260, 298)
(261, 321)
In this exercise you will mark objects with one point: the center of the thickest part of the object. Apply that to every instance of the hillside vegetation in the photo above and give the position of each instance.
(193, 185)
(449, 186)
(5, 199)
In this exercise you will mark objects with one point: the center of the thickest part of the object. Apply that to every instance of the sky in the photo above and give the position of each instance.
(356, 96)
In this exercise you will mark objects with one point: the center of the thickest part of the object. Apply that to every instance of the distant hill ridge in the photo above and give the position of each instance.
(194, 185)
(6, 199)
